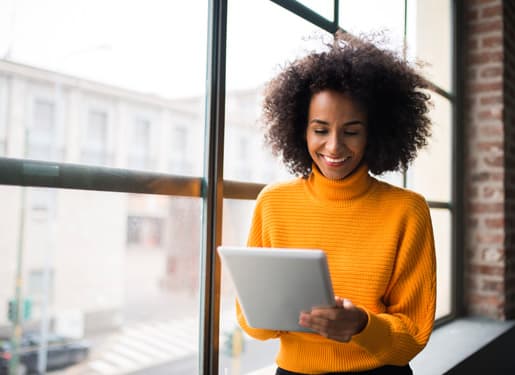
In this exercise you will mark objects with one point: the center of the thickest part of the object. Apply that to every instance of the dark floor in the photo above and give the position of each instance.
(498, 357)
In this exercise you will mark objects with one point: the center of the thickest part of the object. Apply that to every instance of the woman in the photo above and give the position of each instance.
(333, 117)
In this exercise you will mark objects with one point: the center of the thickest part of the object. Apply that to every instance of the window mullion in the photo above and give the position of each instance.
(212, 189)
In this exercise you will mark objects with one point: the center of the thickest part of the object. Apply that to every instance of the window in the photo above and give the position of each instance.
(41, 142)
(3, 115)
(128, 238)
(146, 232)
(433, 48)
(94, 148)
(178, 149)
(139, 144)
(125, 256)
(40, 287)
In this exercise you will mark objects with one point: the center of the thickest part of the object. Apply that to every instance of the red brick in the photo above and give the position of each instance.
(492, 41)
(472, 74)
(491, 99)
(494, 160)
(486, 207)
(490, 238)
(473, 283)
(491, 71)
(472, 15)
(472, 222)
(492, 11)
(484, 87)
(473, 44)
(485, 57)
(490, 146)
(491, 130)
(473, 192)
(487, 26)
(491, 114)
(489, 300)
(480, 176)
(493, 191)
(495, 223)
(492, 285)
(471, 3)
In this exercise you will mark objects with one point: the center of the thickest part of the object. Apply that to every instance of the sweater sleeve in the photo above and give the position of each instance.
(402, 331)
(255, 239)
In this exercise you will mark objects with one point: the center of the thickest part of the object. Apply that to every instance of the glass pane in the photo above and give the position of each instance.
(3, 114)
(254, 55)
(239, 353)
(430, 173)
(387, 16)
(394, 178)
(431, 45)
(442, 228)
(107, 95)
(122, 282)
(323, 7)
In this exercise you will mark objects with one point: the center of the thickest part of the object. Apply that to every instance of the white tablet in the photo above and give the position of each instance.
(274, 285)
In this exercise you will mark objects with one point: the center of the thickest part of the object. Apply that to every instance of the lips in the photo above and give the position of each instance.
(333, 161)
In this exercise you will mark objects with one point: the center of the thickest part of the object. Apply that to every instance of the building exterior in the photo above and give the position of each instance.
(85, 251)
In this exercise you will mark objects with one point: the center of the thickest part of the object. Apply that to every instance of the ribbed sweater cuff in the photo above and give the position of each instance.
(373, 336)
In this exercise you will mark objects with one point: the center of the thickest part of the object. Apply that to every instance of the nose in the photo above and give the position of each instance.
(335, 143)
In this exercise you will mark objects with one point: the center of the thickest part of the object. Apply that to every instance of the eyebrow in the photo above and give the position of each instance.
(351, 122)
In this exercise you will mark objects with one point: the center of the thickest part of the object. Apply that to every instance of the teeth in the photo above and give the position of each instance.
(331, 160)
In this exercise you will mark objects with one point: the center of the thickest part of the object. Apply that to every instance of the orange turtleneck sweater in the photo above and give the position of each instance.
(380, 249)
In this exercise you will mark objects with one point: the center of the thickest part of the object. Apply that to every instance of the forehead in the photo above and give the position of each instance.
(334, 103)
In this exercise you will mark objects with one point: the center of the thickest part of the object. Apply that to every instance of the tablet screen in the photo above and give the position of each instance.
(274, 285)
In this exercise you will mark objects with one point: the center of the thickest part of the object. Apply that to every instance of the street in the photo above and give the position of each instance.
(167, 347)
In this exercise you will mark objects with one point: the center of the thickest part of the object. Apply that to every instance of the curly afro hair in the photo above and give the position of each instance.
(385, 85)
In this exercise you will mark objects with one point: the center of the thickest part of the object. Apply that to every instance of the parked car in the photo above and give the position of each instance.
(61, 352)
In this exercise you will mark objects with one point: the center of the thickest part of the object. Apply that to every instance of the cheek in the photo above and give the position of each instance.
(358, 145)
(311, 143)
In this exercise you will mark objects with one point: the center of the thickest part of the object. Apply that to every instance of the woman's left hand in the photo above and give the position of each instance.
(338, 323)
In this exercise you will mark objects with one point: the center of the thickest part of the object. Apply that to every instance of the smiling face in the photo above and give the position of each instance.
(336, 134)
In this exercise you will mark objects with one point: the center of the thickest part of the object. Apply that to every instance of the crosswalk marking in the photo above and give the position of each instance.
(146, 344)
(102, 367)
(144, 348)
(156, 341)
(130, 353)
(176, 338)
(120, 361)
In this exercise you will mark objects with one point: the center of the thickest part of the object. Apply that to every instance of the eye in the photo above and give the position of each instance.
(351, 132)
(320, 131)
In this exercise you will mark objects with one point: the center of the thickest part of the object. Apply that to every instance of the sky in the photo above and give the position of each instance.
(159, 46)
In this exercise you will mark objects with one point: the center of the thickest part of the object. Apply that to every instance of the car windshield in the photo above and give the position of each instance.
(51, 339)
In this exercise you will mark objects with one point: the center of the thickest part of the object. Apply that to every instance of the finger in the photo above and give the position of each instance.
(333, 313)
(322, 325)
(338, 301)
(305, 319)
(327, 328)
(347, 304)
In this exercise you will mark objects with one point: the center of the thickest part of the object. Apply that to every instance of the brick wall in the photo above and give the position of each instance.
(489, 152)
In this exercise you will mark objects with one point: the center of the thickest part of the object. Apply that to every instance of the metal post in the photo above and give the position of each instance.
(18, 296)
(212, 189)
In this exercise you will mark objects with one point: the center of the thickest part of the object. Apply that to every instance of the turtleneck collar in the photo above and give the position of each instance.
(348, 188)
